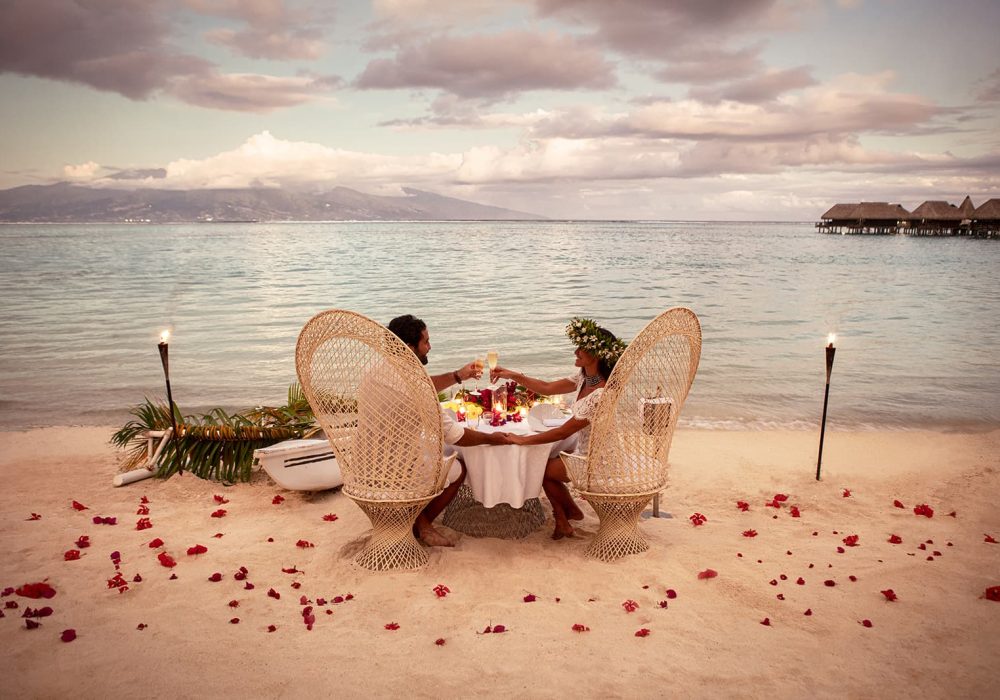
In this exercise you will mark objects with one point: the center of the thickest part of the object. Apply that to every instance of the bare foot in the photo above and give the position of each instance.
(432, 538)
(573, 512)
(562, 530)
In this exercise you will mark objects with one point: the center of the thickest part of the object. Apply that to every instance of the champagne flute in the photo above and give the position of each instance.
(491, 359)
(479, 368)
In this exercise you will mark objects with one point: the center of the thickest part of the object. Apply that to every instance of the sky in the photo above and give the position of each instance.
(575, 109)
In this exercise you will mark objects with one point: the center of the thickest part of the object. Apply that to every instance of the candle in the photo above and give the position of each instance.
(830, 339)
(164, 349)
(831, 351)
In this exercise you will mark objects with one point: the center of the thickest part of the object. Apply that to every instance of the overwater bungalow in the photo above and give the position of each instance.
(863, 217)
(986, 219)
(937, 218)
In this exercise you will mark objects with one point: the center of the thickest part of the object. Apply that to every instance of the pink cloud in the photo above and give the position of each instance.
(492, 66)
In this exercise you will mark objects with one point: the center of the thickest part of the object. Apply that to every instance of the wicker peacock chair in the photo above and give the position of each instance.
(379, 410)
(626, 464)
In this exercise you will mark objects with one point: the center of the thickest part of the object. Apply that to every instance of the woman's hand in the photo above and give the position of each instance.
(516, 439)
(499, 372)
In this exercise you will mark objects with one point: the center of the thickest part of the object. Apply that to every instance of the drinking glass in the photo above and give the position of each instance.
(479, 369)
(491, 359)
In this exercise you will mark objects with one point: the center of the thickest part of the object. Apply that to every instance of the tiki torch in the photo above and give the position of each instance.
(830, 352)
(164, 348)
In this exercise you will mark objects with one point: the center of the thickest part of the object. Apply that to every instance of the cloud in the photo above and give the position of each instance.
(758, 88)
(492, 66)
(249, 92)
(83, 171)
(274, 29)
(990, 90)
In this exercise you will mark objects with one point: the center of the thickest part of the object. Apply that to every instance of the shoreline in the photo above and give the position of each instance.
(710, 639)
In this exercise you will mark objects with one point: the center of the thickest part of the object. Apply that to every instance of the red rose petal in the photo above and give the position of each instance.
(924, 510)
(36, 590)
(71, 555)
(221, 513)
(800, 581)
(439, 641)
(221, 500)
(304, 544)
(292, 570)
(271, 628)
(630, 606)
(296, 585)
(234, 603)
(142, 510)
(137, 579)
(851, 540)
(642, 633)
(580, 628)
(154, 543)
(70, 634)
(234, 621)
(671, 593)
(708, 573)
(79, 506)
(215, 578)
(852, 578)
(392, 626)
(749, 533)
(895, 539)
(530, 598)
(898, 504)
(992, 593)
(277, 500)
(796, 513)
(197, 549)
(889, 594)
(830, 582)
(953, 514)
(217, 535)
(330, 517)
(809, 611)
(847, 493)
(773, 582)
(743, 505)
(766, 622)
(166, 560)
(273, 594)
(663, 604)
(866, 622)
(989, 538)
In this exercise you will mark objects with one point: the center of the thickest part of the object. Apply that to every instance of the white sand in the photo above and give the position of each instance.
(940, 639)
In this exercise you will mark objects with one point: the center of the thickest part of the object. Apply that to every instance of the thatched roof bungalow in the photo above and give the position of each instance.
(967, 207)
(936, 212)
(988, 211)
(864, 217)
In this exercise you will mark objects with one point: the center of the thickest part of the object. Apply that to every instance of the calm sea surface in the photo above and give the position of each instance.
(917, 319)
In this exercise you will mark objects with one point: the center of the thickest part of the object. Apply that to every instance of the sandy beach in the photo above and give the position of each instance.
(770, 624)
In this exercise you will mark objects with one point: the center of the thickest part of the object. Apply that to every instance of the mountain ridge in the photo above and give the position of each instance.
(65, 202)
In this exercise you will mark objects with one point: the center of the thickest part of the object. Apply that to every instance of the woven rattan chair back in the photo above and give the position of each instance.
(633, 427)
(379, 410)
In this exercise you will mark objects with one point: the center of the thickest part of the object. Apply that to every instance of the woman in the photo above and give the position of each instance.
(597, 351)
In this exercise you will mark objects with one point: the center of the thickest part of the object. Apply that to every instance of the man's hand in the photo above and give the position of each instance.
(500, 438)
(473, 370)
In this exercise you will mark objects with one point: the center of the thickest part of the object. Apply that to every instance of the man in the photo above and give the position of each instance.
(413, 332)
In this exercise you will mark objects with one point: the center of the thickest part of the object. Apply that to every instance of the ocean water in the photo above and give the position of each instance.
(917, 319)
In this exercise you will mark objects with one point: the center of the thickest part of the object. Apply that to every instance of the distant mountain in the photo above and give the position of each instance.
(66, 203)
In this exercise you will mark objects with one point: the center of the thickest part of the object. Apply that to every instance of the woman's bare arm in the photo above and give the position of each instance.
(539, 386)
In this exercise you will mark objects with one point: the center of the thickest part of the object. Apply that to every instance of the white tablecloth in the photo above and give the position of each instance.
(505, 473)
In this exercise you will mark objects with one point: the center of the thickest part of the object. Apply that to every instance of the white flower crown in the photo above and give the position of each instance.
(586, 334)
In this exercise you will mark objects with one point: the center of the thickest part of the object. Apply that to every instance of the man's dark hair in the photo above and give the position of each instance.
(408, 328)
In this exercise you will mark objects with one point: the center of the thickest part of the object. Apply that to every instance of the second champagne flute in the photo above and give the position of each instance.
(491, 359)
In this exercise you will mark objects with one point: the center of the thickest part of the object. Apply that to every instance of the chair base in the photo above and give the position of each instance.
(392, 544)
(618, 534)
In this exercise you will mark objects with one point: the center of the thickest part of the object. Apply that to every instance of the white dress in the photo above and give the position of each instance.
(583, 409)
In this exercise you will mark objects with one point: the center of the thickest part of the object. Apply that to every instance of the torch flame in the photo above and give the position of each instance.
(164, 336)
(831, 338)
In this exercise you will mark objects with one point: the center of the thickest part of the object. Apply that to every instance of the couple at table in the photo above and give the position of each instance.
(597, 351)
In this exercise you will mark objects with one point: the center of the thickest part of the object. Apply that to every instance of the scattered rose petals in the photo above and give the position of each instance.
(530, 598)
(780, 596)
(271, 628)
(141, 626)
(441, 590)
(924, 510)
(840, 550)
(83, 541)
(304, 601)
(580, 628)
(809, 611)
(439, 641)
(830, 582)
(766, 622)
(217, 535)
(104, 520)
(671, 593)
(749, 533)
(895, 539)
(137, 579)
(142, 510)
(70, 634)
(79, 506)
(330, 517)
(292, 570)
(215, 578)
(197, 549)
(36, 590)
(154, 543)
(663, 604)
(697, 519)
(248, 586)
(241, 573)
(278, 500)
(708, 573)
(953, 514)
(166, 560)
(173, 577)
(38, 612)
(304, 544)
(10, 605)
(780, 497)
(800, 581)
(31, 625)
(866, 622)
(796, 513)
(851, 540)
(392, 626)
(642, 633)
(234, 621)
(898, 504)
(499, 629)
(852, 578)
(143, 500)
(143, 524)
(743, 505)
(987, 538)
(221, 513)
(992, 593)
(221, 500)
(630, 606)
(922, 546)
(234, 603)
(35, 516)
(889, 594)
(773, 582)
(847, 493)
(296, 585)
(273, 594)
(71, 555)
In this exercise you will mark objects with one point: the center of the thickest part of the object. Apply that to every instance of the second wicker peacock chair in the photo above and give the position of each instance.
(379, 410)
(626, 463)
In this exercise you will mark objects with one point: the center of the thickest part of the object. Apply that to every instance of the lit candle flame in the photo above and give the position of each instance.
(830, 338)
(164, 336)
